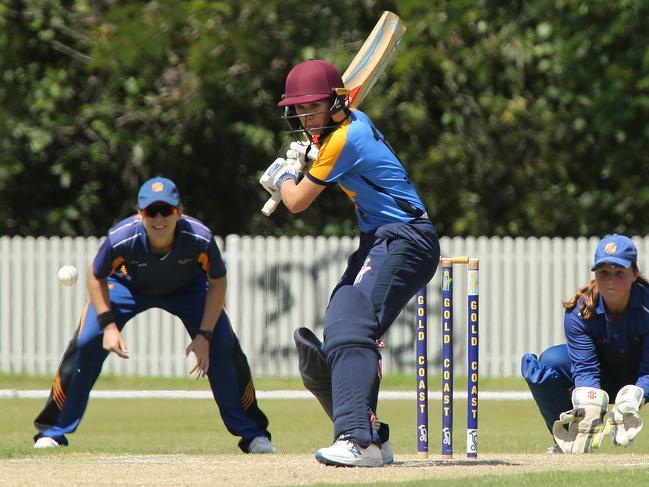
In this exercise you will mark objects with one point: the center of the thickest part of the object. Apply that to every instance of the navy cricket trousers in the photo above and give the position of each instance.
(382, 275)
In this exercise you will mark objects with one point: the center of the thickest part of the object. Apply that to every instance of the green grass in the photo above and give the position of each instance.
(189, 426)
(145, 424)
(193, 427)
(389, 383)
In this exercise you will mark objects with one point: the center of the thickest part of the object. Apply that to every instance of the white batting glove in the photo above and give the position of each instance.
(301, 152)
(625, 422)
(292, 171)
(581, 429)
(277, 173)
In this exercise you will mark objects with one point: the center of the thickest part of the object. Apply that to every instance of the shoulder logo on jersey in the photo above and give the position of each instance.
(157, 187)
(610, 248)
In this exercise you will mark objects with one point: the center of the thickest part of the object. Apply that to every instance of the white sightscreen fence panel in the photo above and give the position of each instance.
(278, 284)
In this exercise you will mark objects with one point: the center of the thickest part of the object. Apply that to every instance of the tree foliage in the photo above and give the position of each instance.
(513, 118)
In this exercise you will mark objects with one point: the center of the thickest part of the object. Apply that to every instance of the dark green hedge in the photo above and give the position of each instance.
(513, 118)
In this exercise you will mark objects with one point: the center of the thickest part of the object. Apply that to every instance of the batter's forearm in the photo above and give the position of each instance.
(298, 197)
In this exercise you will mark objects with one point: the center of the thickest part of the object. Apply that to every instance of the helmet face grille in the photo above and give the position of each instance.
(296, 129)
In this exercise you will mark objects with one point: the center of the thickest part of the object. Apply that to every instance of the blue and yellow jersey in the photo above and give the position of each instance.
(356, 156)
(622, 347)
(125, 255)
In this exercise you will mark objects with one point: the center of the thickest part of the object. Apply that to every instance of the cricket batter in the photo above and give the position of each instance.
(157, 258)
(606, 355)
(397, 255)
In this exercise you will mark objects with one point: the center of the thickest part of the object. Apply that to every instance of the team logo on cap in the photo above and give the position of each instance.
(610, 248)
(157, 187)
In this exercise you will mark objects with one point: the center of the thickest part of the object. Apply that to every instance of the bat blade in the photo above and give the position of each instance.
(364, 70)
(373, 57)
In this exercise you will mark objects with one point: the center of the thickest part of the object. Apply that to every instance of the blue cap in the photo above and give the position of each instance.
(615, 250)
(158, 189)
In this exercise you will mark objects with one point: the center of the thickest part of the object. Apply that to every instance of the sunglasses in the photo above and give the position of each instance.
(162, 208)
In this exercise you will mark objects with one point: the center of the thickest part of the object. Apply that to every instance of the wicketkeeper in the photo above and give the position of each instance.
(397, 255)
(157, 258)
(606, 356)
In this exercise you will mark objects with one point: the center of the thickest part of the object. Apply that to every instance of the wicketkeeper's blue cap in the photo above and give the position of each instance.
(615, 250)
(158, 189)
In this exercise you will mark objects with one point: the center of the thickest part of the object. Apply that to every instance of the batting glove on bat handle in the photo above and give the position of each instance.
(300, 152)
(276, 168)
(273, 202)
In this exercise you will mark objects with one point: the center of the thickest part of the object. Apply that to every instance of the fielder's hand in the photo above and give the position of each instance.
(201, 348)
(581, 429)
(113, 341)
(625, 422)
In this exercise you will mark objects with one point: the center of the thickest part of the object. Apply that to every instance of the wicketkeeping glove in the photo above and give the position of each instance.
(625, 422)
(581, 429)
(277, 173)
(301, 151)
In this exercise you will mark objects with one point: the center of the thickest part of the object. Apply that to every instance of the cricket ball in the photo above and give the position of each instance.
(68, 275)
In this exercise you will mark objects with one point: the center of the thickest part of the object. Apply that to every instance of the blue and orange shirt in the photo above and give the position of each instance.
(125, 255)
(357, 157)
(620, 348)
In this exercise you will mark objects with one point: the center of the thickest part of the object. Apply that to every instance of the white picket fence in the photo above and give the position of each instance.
(278, 284)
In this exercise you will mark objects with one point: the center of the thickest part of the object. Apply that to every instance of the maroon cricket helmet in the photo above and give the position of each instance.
(311, 81)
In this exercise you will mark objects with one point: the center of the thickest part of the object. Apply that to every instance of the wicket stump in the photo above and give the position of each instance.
(447, 360)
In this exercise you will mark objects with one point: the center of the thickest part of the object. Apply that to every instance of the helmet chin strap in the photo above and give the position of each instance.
(339, 102)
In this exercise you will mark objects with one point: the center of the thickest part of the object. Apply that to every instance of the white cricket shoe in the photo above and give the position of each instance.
(46, 442)
(261, 444)
(347, 453)
(386, 453)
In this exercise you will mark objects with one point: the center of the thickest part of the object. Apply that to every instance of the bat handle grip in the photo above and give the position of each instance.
(272, 203)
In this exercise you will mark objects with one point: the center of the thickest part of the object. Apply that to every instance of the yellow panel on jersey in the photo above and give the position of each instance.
(330, 151)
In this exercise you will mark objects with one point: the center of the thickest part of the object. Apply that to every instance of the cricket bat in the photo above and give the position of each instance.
(364, 70)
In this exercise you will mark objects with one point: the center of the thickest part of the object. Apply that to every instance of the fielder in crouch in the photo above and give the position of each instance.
(157, 258)
(397, 255)
(606, 355)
